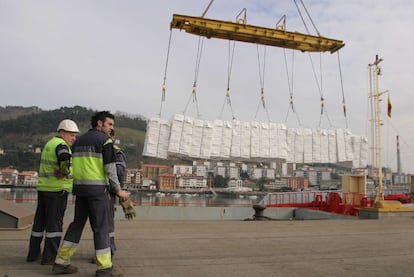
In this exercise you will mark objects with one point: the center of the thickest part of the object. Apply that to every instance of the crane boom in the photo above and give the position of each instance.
(212, 28)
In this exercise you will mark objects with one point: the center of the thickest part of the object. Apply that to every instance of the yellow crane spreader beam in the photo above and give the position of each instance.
(211, 28)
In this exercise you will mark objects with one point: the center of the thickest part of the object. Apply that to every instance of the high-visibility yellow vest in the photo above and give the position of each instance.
(49, 164)
(88, 166)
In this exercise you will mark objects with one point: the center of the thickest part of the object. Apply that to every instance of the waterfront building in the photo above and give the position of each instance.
(152, 171)
(182, 170)
(27, 178)
(269, 173)
(312, 177)
(277, 184)
(9, 176)
(235, 183)
(201, 170)
(297, 183)
(133, 178)
(220, 170)
(234, 172)
(256, 173)
(166, 181)
(191, 182)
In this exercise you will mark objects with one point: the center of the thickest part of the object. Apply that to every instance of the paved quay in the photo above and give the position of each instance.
(238, 248)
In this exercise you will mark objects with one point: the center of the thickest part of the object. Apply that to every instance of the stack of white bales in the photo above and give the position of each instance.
(185, 136)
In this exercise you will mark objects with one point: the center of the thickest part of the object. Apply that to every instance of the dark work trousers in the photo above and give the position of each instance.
(48, 222)
(111, 220)
(97, 209)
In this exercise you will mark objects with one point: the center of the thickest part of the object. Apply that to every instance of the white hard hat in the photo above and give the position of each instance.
(68, 126)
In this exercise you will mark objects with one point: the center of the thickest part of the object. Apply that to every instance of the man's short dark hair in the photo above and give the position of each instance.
(102, 116)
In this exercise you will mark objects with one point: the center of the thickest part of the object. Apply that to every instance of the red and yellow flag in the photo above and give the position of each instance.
(389, 107)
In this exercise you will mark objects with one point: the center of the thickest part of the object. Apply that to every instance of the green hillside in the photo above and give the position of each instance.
(23, 129)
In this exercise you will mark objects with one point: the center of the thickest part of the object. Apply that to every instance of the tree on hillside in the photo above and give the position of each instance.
(220, 181)
(33, 126)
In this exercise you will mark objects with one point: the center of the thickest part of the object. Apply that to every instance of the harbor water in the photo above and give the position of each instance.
(161, 206)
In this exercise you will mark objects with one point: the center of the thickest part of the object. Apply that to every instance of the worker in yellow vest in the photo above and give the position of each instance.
(94, 175)
(54, 184)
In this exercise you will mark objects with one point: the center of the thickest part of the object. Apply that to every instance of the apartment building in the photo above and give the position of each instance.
(27, 178)
(167, 181)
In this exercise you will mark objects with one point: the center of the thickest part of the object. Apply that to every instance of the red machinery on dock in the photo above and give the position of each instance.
(329, 201)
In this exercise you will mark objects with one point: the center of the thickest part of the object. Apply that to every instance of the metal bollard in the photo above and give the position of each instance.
(258, 212)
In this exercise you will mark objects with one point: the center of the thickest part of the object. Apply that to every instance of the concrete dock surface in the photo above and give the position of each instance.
(238, 248)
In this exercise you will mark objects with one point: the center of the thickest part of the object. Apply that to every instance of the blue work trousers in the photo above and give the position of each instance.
(48, 222)
(96, 208)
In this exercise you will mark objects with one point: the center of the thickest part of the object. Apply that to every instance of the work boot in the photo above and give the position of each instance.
(64, 269)
(114, 273)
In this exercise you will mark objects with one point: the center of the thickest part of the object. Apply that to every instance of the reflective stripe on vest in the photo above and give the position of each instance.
(88, 166)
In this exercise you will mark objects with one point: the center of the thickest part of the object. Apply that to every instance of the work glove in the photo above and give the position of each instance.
(58, 174)
(128, 208)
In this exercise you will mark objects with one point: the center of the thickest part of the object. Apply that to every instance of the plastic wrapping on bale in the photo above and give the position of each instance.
(186, 137)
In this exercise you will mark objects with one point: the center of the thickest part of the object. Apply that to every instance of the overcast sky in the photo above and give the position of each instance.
(112, 55)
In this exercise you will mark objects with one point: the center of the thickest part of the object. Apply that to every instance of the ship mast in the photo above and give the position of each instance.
(376, 122)
(399, 168)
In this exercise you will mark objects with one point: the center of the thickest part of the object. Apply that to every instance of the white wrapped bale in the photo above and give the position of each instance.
(316, 145)
(151, 137)
(356, 148)
(186, 136)
(164, 138)
(274, 147)
(245, 142)
(333, 157)
(307, 146)
(206, 140)
(235, 151)
(216, 138)
(282, 141)
(264, 148)
(290, 141)
(299, 146)
(255, 139)
(324, 145)
(349, 155)
(360, 151)
(175, 136)
(340, 145)
(198, 126)
(226, 140)
(364, 152)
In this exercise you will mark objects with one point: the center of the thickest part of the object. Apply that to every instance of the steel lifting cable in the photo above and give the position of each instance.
(322, 99)
(303, 20)
(290, 87)
(227, 99)
(310, 18)
(164, 87)
(342, 89)
(261, 80)
(193, 95)
(319, 85)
